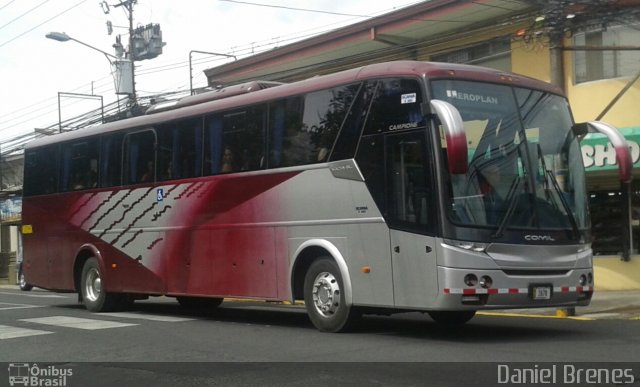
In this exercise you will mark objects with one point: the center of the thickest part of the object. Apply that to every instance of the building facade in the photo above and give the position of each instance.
(589, 49)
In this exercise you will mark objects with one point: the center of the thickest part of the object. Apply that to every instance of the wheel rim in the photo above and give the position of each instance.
(23, 281)
(92, 285)
(326, 294)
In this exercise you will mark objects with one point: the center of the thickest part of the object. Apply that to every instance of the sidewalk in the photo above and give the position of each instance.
(604, 305)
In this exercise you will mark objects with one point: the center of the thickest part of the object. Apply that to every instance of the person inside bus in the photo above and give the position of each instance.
(78, 182)
(228, 160)
(148, 174)
(492, 190)
(167, 174)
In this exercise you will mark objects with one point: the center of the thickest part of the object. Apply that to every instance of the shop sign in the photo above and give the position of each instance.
(599, 155)
(10, 209)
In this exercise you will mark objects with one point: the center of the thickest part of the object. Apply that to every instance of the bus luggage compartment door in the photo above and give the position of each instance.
(415, 279)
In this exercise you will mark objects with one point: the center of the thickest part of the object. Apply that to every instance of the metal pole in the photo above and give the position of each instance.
(129, 7)
(617, 97)
(191, 67)
(627, 237)
(59, 115)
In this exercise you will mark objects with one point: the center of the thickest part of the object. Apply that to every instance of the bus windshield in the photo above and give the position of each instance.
(525, 168)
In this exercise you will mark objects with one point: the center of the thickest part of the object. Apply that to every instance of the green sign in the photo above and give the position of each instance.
(599, 155)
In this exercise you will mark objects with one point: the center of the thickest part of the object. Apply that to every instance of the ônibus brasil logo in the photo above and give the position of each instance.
(32, 375)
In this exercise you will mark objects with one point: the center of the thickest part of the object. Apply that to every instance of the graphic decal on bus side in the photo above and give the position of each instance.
(158, 232)
(135, 221)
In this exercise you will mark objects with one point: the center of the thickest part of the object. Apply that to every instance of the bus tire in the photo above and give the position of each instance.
(94, 297)
(452, 317)
(199, 303)
(22, 282)
(324, 297)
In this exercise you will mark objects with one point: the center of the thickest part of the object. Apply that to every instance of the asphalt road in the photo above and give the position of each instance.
(242, 343)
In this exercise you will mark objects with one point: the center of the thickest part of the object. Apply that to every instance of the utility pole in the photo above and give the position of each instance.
(145, 42)
(128, 6)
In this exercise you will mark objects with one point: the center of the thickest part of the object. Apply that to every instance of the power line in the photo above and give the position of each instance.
(44, 22)
(6, 5)
(296, 9)
(18, 17)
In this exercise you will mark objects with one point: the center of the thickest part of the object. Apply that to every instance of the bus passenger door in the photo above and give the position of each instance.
(411, 216)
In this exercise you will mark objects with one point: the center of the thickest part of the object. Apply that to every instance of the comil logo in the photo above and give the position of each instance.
(543, 238)
(24, 374)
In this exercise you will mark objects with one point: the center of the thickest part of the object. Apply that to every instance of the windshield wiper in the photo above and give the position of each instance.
(548, 175)
(511, 199)
(565, 205)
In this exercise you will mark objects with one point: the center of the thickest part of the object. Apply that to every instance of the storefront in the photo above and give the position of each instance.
(609, 218)
(10, 215)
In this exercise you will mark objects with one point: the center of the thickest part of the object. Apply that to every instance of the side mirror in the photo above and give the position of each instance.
(580, 130)
(457, 153)
(623, 154)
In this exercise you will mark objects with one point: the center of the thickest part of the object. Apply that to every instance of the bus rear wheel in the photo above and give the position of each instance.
(451, 317)
(94, 297)
(324, 297)
(22, 282)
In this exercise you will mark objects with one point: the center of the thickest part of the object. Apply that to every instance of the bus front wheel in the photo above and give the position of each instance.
(324, 297)
(94, 297)
(451, 317)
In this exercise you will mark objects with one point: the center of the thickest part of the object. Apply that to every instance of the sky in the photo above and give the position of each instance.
(34, 69)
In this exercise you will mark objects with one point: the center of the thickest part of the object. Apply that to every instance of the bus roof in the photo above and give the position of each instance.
(198, 105)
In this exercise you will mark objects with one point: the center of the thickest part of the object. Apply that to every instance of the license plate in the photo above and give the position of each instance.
(541, 292)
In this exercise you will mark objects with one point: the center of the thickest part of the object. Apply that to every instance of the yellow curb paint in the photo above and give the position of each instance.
(533, 316)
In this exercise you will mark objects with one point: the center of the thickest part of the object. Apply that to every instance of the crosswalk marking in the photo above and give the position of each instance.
(9, 305)
(144, 316)
(75, 322)
(8, 332)
(34, 295)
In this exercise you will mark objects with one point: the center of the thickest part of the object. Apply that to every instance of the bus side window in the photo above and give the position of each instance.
(139, 157)
(212, 144)
(235, 141)
(370, 160)
(288, 143)
(110, 166)
(40, 171)
(180, 149)
(79, 165)
(395, 106)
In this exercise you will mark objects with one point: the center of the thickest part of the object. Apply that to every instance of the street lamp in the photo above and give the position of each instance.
(123, 67)
(62, 37)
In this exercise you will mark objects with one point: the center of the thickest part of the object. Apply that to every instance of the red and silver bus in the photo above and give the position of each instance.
(393, 187)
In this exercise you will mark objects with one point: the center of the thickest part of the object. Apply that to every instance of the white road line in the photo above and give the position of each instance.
(11, 305)
(9, 332)
(35, 295)
(75, 322)
(150, 317)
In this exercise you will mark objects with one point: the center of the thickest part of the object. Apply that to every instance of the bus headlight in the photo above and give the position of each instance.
(466, 245)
